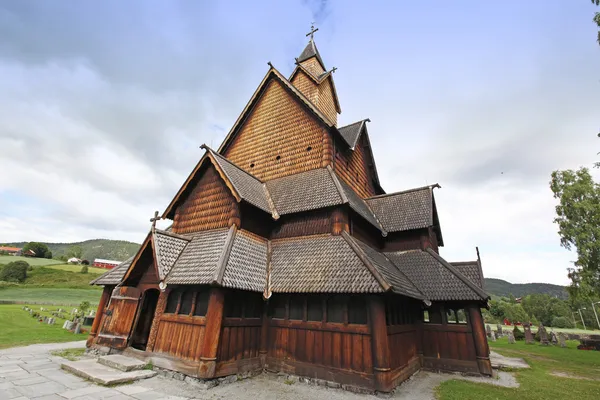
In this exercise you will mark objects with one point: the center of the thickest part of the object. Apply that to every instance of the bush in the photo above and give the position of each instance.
(518, 334)
(561, 322)
(4, 284)
(15, 271)
(84, 269)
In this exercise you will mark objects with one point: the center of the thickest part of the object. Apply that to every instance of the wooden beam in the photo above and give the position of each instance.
(480, 339)
(160, 309)
(212, 334)
(380, 345)
(99, 314)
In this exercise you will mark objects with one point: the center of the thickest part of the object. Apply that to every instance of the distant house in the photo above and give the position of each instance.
(74, 260)
(13, 251)
(28, 253)
(108, 264)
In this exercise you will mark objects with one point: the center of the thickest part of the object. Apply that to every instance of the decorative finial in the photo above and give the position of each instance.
(333, 69)
(312, 31)
(153, 220)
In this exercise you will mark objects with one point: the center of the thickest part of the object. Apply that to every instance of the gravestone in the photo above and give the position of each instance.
(553, 338)
(528, 335)
(65, 324)
(511, 338)
(88, 321)
(493, 336)
(499, 329)
(77, 330)
(543, 335)
(562, 340)
(68, 325)
(488, 331)
(51, 321)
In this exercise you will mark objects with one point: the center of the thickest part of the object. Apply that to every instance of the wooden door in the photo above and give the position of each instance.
(118, 318)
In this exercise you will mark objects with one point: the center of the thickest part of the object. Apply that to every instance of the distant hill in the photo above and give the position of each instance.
(118, 250)
(501, 288)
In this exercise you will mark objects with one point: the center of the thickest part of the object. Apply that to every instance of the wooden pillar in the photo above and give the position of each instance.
(264, 335)
(212, 333)
(99, 314)
(160, 309)
(339, 218)
(380, 346)
(480, 339)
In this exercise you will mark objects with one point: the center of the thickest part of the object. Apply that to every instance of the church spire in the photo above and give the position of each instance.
(310, 50)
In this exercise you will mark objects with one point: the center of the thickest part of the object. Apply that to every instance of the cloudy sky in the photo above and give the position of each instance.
(103, 107)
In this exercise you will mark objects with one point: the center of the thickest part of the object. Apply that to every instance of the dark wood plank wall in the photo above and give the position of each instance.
(256, 221)
(402, 241)
(352, 167)
(402, 317)
(277, 127)
(240, 339)
(180, 336)
(314, 222)
(365, 232)
(210, 205)
(118, 319)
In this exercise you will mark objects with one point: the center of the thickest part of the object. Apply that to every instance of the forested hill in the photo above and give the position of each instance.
(118, 250)
(501, 288)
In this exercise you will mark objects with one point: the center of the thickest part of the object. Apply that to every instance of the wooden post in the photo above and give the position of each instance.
(480, 339)
(339, 221)
(380, 346)
(99, 314)
(212, 334)
(160, 309)
(264, 335)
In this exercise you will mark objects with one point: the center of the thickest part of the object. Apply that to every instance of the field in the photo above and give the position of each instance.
(41, 295)
(30, 260)
(18, 328)
(77, 268)
(580, 372)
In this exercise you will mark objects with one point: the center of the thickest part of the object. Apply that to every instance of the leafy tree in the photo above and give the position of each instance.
(40, 249)
(48, 254)
(515, 313)
(561, 322)
(545, 308)
(75, 251)
(83, 307)
(597, 18)
(84, 269)
(15, 271)
(578, 219)
(518, 334)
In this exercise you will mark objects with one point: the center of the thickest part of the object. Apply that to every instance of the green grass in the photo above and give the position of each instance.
(565, 330)
(41, 295)
(30, 260)
(18, 328)
(537, 382)
(49, 277)
(77, 268)
(69, 354)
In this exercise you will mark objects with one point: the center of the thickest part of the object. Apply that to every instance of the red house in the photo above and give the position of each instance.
(108, 264)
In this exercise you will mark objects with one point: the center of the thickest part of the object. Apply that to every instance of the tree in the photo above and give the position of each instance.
(40, 249)
(74, 251)
(15, 271)
(597, 18)
(515, 313)
(84, 269)
(578, 219)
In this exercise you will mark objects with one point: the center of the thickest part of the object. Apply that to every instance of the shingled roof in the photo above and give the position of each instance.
(402, 211)
(311, 51)
(472, 270)
(435, 277)
(167, 248)
(351, 133)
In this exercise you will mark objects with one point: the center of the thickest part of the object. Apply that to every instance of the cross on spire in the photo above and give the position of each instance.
(312, 31)
(153, 220)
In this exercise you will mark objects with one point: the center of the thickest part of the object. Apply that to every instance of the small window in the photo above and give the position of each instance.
(278, 158)
(451, 316)
(296, 307)
(253, 306)
(336, 308)
(233, 307)
(357, 310)
(309, 148)
(426, 316)
(461, 316)
(278, 307)
(172, 302)
(201, 303)
(252, 165)
(186, 303)
(314, 308)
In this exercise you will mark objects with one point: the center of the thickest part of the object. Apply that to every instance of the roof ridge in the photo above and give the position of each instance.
(337, 185)
(432, 186)
(365, 260)
(171, 234)
(459, 263)
(224, 256)
(458, 274)
(220, 156)
(274, 213)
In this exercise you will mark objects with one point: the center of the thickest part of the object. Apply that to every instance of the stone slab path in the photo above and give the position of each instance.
(33, 373)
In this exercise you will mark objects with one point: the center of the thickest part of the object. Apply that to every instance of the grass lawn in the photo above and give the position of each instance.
(50, 277)
(565, 330)
(537, 382)
(18, 328)
(30, 260)
(42, 295)
(77, 268)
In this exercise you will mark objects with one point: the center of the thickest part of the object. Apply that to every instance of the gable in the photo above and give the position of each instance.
(352, 166)
(327, 101)
(209, 204)
(278, 138)
(306, 85)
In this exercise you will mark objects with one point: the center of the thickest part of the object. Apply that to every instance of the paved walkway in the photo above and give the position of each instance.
(32, 373)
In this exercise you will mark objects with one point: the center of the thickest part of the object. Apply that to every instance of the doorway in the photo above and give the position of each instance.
(139, 340)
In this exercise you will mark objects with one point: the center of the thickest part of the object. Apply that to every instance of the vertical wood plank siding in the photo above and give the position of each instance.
(352, 167)
(402, 340)
(210, 205)
(181, 336)
(278, 126)
(300, 224)
(240, 339)
(119, 318)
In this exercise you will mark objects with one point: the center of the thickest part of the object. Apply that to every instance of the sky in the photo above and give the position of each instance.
(103, 107)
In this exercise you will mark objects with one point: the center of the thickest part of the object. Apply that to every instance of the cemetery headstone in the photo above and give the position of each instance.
(562, 340)
(88, 321)
(499, 329)
(553, 338)
(77, 330)
(543, 335)
(488, 331)
(493, 336)
(511, 338)
(69, 325)
(51, 321)
(528, 335)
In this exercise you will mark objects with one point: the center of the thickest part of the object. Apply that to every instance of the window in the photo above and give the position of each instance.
(357, 310)
(296, 307)
(314, 308)
(201, 303)
(425, 315)
(451, 316)
(278, 307)
(253, 306)
(336, 308)
(461, 316)
(278, 158)
(172, 302)
(186, 303)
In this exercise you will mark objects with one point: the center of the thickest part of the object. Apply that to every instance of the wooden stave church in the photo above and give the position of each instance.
(285, 254)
